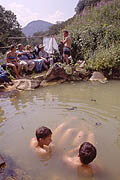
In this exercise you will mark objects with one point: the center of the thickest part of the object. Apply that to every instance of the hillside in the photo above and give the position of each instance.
(36, 26)
(96, 36)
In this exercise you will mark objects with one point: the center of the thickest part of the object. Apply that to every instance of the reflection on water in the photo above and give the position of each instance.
(85, 106)
(2, 117)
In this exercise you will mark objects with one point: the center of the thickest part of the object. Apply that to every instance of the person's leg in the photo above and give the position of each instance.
(79, 138)
(51, 61)
(44, 65)
(36, 65)
(24, 64)
(66, 54)
(31, 65)
(19, 67)
(66, 59)
(13, 66)
(91, 138)
(59, 130)
(67, 137)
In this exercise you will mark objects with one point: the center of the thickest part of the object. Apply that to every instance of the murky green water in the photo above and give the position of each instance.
(97, 109)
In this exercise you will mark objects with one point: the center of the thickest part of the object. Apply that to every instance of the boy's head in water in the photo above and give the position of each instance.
(43, 135)
(87, 153)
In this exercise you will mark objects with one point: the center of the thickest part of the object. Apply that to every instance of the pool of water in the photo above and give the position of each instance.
(86, 106)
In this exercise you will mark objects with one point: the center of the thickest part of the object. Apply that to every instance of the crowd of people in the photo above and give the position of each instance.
(25, 59)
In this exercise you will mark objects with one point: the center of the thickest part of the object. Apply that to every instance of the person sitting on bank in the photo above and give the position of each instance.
(67, 41)
(41, 142)
(12, 61)
(30, 53)
(39, 63)
(45, 56)
(25, 61)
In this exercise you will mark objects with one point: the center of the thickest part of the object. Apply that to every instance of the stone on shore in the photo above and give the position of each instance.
(26, 84)
(98, 76)
(56, 72)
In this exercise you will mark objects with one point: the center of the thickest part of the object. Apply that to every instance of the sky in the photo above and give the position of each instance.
(46, 10)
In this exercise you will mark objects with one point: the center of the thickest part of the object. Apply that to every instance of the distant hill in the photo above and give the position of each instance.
(36, 26)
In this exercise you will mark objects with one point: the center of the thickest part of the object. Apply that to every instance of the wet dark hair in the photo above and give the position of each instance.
(43, 132)
(87, 153)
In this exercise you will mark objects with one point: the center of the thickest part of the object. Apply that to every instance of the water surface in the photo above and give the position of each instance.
(86, 106)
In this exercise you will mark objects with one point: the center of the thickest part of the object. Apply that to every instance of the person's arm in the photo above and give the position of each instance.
(7, 55)
(33, 143)
(19, 53)
(68, 137)
(82, 64)
(41, 56)
(16, 57)
(65, 40)
(44, 59)
(42, 151)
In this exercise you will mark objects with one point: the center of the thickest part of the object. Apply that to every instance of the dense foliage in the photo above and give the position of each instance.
(9, 27)
(96, 36)
(85, 3)
(82, 4)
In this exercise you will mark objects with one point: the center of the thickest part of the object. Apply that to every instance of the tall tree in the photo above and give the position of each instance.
(9, 26)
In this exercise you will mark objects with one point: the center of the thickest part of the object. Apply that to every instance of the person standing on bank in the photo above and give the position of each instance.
(12, 61)
(67, 41)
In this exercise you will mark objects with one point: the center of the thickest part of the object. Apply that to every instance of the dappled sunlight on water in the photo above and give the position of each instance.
(85, 106)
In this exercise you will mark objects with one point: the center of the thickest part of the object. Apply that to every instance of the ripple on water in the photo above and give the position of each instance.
(85, 106)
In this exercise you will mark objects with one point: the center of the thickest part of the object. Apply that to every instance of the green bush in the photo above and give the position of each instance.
(96, 36)
(105, 59)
